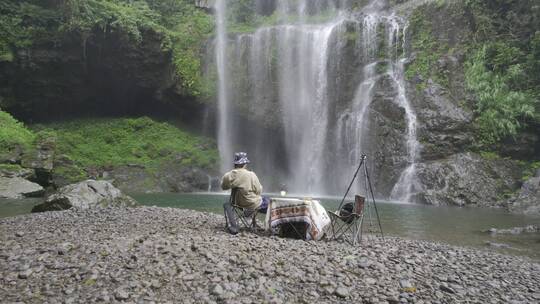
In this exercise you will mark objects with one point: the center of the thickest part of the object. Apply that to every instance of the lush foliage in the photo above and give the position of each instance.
(243, 17)
(182, 28)
(502, 108)
(504, 66)
(23, 23)
(13, 134)
(142, 141)
(501, 44)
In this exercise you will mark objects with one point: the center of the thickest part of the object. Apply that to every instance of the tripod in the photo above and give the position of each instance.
(351, 221)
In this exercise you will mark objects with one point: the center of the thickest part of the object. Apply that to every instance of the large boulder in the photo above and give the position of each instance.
(527, 200)
(17, 187)
(86, 195)
(468, 179)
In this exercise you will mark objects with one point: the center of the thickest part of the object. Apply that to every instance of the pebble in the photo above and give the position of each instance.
(370, 281)
(118, 254)
(25, 274)
(342, 292)
(446, 289)
(217, 290)
(121, 294)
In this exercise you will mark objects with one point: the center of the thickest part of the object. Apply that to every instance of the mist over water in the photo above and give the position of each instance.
(309, 105)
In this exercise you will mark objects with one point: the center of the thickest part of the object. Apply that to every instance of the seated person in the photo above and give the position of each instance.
(249, 188)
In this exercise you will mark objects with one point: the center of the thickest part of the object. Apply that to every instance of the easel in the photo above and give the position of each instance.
(352, 222)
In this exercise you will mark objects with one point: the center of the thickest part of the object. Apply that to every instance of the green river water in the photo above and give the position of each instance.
(452, 225)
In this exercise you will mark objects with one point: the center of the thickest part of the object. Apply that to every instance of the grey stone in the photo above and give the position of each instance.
(217, 290)
(342, 292)
(18, 187)
(446, 288)
(86, 195)
(527, 200)
(405, 284)
(121, 294)
(370, 281)
(25, 274)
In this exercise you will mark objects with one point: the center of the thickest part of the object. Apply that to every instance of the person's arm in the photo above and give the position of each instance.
(226, 182)
(257, 187)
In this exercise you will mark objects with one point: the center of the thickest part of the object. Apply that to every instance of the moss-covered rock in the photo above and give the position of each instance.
(66, 171)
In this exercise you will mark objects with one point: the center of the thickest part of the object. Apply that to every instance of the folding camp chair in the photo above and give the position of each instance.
(247, 217)
(347, 222)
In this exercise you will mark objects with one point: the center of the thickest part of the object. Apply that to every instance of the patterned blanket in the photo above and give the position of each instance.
(285, 210)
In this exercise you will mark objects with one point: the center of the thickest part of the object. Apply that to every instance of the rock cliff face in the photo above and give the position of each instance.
(362, 108)
(466, 179)
(527, 199)
(107, 74)
(449, 173)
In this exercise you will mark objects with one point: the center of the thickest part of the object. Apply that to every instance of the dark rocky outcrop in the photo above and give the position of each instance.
(467, 179)
(105, 72)
(86, 195)
(527, 200)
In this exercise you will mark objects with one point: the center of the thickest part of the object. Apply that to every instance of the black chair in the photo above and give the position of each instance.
(346, 222)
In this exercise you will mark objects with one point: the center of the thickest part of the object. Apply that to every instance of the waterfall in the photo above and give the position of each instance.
(313, 81)
(224, 126)
(407, 182)
(305, 102)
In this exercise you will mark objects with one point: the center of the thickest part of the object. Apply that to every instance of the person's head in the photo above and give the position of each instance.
(240, 160)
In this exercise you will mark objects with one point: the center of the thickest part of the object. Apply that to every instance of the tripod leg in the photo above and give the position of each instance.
(374, 203)
(352, 181)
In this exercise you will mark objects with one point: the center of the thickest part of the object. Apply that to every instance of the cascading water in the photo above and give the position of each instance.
(294, 77)
(224, 126)
(407, 182)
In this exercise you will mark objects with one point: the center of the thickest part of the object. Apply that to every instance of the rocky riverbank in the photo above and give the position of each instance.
(150, 254)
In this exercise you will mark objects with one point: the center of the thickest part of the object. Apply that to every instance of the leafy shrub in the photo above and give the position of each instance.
(13, 133)
(123, 141)
(502, 110)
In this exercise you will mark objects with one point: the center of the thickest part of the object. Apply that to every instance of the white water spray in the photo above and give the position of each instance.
(224, 126)
(291, 73)
(404, 189)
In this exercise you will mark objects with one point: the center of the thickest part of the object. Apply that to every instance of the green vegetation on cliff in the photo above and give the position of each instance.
(503, 108)
(13, 134)
(427, 51)
(181, 27)
(130, 141)
(504, 67)
(498, 43)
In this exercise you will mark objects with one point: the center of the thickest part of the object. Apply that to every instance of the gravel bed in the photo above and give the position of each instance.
(167, 255)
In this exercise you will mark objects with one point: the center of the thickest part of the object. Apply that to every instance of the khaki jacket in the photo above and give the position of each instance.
(249, 187)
